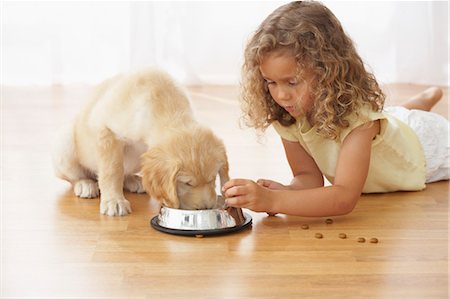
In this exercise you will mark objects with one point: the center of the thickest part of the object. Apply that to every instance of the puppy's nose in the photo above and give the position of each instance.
(210, 205)
(208, 198)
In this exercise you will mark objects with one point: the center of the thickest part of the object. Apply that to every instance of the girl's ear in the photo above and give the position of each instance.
(159, 174)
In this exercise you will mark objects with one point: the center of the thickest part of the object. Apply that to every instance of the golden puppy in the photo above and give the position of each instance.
(141, 122)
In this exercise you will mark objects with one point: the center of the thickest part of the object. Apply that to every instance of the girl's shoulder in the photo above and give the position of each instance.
(363, 116)
(301, 129)
(289, 133)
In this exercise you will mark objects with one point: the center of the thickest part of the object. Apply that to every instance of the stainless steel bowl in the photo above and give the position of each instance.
(222, 219)
(200, 219)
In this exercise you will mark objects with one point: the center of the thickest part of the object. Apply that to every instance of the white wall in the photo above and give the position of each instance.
(202, 42)
(402, 41)
(62, 42)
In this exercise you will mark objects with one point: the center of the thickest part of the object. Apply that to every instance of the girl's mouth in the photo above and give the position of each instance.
(289, 108)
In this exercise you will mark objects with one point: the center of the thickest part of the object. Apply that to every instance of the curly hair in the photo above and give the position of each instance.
(315, 37)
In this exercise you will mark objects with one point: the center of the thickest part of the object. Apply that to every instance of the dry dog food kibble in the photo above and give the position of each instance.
(342, 236)
(373, 240)
(329, 221)
(305, 226)
(318, 235)
(361, 240)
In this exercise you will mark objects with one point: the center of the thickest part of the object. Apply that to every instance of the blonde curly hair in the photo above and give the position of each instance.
(315, 37)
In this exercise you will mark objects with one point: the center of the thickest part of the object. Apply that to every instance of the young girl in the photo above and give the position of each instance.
(303, 75)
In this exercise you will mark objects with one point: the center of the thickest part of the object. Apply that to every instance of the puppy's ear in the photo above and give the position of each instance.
(159, 174)
(224, 172)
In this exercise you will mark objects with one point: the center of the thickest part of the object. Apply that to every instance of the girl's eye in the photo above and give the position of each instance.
(292, 83)
(269, 82)
(189, 184)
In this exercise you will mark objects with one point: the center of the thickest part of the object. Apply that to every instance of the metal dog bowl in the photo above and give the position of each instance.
(201, 222)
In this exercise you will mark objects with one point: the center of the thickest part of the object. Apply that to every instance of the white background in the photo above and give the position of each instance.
(202, 42)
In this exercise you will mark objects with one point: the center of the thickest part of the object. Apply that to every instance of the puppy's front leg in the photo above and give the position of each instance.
(224, 174)
(110, 175)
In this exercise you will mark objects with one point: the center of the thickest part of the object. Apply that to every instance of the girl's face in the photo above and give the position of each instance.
(280, 72)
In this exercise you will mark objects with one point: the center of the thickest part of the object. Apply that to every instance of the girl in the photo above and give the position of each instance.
(303, 75)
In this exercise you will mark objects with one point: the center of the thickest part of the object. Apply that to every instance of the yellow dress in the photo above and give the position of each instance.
(397, 160)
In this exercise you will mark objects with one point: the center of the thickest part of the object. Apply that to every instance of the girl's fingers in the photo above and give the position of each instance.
(233, 183)
(237, 202)
(235, 191)
(262, 182)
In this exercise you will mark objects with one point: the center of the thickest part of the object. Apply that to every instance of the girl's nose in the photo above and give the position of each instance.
(282, 95)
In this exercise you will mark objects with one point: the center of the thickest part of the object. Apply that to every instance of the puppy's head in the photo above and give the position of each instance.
(181, 172)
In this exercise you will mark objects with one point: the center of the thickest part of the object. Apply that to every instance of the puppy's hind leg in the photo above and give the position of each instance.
(133, 183)
(86, 188)
(67, 166)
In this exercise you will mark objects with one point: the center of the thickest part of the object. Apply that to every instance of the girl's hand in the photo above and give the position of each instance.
(243, 193)
(271, 184)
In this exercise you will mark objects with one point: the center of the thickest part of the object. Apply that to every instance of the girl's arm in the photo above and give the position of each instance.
(306, 174)
(304, 169)
(338, 199)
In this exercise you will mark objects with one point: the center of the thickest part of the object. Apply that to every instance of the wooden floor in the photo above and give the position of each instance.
(55, 245)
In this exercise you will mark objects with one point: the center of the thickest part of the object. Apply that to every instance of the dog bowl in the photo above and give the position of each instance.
(220, 220)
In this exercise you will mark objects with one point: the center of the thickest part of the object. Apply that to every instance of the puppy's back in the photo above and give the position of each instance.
(138, 105)
(169, 100)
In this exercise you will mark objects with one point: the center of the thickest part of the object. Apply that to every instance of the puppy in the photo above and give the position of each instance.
(138, 133)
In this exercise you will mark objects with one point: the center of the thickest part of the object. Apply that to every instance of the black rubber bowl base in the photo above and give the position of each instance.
(201, 233)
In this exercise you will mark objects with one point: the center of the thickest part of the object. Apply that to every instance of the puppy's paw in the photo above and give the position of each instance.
(115, 207)
(86, 189)
(133, 183)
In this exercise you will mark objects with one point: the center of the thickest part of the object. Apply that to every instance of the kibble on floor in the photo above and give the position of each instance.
(342, 236)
